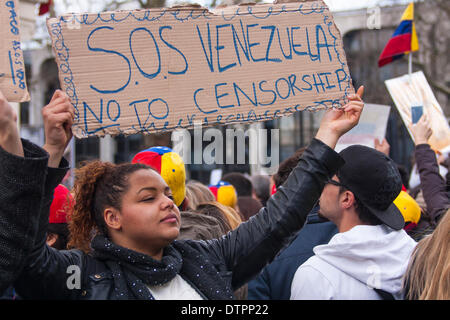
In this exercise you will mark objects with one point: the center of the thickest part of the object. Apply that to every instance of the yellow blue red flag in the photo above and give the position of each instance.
(403, 41)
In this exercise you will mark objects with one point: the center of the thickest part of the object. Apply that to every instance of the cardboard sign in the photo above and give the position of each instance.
(12, 68)
(164, 69)
(408, 90)
(372, 125)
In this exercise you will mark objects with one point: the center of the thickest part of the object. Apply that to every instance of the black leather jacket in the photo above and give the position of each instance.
(238, 256)
(20, 194)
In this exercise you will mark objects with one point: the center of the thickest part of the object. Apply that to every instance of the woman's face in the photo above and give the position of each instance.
(148, 218)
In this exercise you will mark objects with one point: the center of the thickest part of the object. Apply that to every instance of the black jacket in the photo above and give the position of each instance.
(434, 192)
(238, 256)
(21, 193)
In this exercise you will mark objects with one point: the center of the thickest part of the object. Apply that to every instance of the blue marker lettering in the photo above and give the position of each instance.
(311, 55)
(288, 86)
(308, 83)
(254, 44)
(294, 45)
(222, 95)
(292, 79)
(145, 74)
(150, 110)
(339, 79)
(196, 104)
(227, 119)
(137, 114)
(324, 44)
(326, 74)
(289, 57)
(264, 90)
(99, 119)
(108, 110)
(208, 58)
(318, 84)
(175, 49)
(236, 87)
(236, 38)
(108, 51)
(191, 119)
(272, 28)
(219, 47)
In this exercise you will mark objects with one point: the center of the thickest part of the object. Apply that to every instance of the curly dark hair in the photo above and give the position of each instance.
(97, 185)
(285, 168)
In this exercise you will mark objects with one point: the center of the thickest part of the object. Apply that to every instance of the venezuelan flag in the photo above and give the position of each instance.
(403, 41)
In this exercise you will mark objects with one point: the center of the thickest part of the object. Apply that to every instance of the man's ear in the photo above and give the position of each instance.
(347, 199)
(113, 218)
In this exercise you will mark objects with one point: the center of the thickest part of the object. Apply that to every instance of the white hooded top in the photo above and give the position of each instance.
(353, 263)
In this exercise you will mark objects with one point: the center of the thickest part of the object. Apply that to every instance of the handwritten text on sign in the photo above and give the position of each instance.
(12, 67)
(163, 69)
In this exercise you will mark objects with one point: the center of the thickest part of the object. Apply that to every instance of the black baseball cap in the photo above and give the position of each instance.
(375, 180)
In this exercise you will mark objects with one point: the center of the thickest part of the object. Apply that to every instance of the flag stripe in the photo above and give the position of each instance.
(387, 60)
(409, 12)
(404, 39)
(397, 45)
(404, 27)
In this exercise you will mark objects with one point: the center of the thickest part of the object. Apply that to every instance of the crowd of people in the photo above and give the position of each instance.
(326, 225)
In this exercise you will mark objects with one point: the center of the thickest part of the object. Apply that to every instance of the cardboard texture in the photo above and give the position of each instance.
(372, 125)
(406, 91)
(12, 68)
(164, 69)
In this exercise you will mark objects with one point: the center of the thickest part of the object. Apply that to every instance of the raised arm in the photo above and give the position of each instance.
(22, 175)
(256, 242)
(432, 183)
(45, 273)
(9, 133)
(58, 118)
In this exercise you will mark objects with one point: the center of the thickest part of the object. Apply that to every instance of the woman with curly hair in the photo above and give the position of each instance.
(125, 223)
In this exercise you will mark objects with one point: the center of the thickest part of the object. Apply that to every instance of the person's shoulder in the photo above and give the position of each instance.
(312, 281)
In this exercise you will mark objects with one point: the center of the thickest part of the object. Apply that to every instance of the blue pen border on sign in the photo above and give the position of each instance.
(62, 51)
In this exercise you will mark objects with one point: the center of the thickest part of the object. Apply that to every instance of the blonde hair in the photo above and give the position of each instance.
(197, 193)
(428, 273)
(231, 216)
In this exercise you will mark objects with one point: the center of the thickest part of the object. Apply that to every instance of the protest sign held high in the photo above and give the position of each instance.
(412, 88)
(168, 68)
(12, 68)
(372, 125)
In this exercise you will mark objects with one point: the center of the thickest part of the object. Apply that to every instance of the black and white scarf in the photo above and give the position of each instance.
(133, 271)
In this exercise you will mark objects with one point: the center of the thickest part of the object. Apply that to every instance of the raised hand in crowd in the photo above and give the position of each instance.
(9, 133)
(336, 122)
(433, 185)
(382, 146)
(421, 130)
(58, 118)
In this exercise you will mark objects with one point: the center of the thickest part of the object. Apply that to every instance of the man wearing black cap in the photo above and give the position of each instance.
(369, 255)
